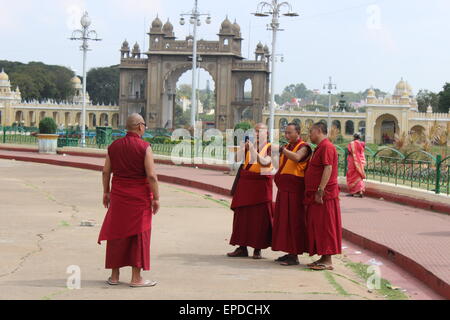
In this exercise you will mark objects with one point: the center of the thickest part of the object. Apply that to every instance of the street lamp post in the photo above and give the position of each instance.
(274, 8)
(84, 34)
(330, 86)
(194, 19)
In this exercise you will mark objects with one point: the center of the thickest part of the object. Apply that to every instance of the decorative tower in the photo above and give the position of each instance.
(125, 50)
(78, 96)
(226, 35)
(136, 53)
(156, 34)
(168, 31)
(259, 52)
(371, 97)
(237, 41)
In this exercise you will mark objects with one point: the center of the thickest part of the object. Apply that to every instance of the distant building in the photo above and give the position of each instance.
(15, 111)
(382, 119)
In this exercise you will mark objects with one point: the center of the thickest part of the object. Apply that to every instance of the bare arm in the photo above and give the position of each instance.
(296, 156)
(106, 178)
(323, 183)
(325, 177)
(263, 161)
(152, 178)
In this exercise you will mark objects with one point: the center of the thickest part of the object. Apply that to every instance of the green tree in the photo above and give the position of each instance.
(103, 85)
(39, 81)
(427, 98)
(444, 99)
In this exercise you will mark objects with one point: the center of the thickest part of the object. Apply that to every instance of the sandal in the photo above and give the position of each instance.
(257, 255)
(112, 283)
(321, 267)
(238, 253)
(283, 258)
(146, 283)
(312, 264)
(290, 262)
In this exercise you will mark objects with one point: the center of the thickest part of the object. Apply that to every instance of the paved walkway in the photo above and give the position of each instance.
(41, 237)
(417, 239)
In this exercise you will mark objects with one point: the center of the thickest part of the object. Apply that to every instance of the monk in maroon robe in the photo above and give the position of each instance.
(252, 198)
(323, 212)
(131, 202)
(289, 220)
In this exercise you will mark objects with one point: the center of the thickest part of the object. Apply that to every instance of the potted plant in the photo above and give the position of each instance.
(47, 137)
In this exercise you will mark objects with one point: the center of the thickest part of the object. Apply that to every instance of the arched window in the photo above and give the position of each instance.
(361, 126)
(248, 89)
(337, 124)
(226, 42)
(283, 123)
(349, 127)
(104, 120)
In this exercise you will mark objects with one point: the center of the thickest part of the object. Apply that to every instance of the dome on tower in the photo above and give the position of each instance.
(236, 28)
(168, 27)
(125, 45)
(402, 88)
(259, 48)
(157, 23)
(136, 48)
(226, 27)
(3, 75)
(76, 83)
(75, 80)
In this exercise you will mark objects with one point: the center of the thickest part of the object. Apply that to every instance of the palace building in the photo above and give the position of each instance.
(379, 120)
(15, 111)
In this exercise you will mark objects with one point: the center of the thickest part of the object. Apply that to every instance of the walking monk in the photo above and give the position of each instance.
(323, 212)
(289, 220)
(131, 202)
(252, 198)
(356, 161)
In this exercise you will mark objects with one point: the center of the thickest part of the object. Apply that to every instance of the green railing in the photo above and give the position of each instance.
(18, 135)
(418, 169)
(443, 175)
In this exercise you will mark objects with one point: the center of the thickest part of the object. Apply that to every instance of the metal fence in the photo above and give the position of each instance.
(418, 169)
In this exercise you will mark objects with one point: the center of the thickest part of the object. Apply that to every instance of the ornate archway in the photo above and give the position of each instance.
(386, 127)
(168, 58)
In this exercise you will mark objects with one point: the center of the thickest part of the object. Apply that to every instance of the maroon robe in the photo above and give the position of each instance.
(252, 206)
(289, 219)
(323, 220)
(127, 224)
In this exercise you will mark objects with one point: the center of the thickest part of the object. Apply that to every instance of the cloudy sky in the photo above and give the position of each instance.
(359, 43)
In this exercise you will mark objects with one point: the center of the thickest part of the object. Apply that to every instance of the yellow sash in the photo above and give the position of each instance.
(256, 167)
(294, 168)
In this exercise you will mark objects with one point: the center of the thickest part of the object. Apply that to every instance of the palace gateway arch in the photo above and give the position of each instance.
(148, 84)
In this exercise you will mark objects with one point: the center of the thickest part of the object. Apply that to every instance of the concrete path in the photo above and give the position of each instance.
(41, 208)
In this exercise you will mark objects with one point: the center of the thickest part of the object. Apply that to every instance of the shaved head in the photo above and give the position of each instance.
(133, 120)
(262, 132)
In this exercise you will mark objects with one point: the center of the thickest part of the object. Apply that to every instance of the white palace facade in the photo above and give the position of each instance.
(15, 111)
